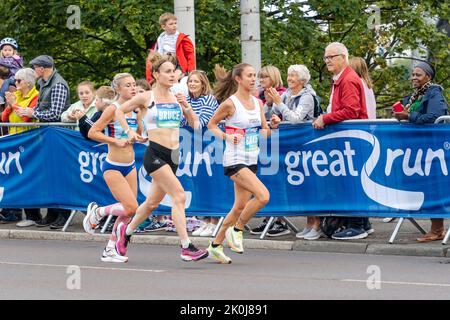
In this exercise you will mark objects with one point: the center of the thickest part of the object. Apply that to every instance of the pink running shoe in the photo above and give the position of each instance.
(192, 253)
(122, 239)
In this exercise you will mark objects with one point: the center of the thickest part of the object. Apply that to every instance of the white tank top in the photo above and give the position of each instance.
(247, 123)
(162, 115)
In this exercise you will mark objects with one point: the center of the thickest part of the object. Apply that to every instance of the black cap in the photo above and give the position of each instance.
(43, 61)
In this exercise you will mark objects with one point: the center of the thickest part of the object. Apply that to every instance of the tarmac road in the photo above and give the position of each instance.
(73, 270)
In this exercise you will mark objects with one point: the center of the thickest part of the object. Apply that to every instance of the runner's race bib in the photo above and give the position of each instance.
(249, 135)
(132, 123)
(251, 139)
(168, 115)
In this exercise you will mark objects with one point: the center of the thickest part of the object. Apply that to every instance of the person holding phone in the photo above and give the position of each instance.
(425, 105)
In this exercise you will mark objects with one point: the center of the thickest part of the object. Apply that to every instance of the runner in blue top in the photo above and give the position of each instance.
(119, 169)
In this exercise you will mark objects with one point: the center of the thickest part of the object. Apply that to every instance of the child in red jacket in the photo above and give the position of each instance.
(171, 41)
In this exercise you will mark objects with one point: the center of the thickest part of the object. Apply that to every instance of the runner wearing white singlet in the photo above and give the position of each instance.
(244, 123)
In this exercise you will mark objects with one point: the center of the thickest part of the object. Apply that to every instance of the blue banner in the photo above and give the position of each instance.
(362, 169)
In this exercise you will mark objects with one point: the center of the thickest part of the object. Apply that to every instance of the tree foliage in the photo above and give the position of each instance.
(115, 36)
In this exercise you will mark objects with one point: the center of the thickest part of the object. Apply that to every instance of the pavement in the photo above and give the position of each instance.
(375, 244)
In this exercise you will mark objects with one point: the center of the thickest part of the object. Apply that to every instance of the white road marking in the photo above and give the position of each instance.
(403, 283)
(82, 267)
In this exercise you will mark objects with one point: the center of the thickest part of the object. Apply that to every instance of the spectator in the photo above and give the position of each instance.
(142, 85)
(171, 41)
(204, 105)
(296, 105)
(425, 105)
(359, 65)
(54, 99)
(25, 97)
(347, 102)
(85, 106)
(6, 84)
(269, 77)
(9, 56)
(104, 96)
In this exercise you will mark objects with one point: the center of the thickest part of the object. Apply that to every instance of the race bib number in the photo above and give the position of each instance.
(251, 139)
(168, 115)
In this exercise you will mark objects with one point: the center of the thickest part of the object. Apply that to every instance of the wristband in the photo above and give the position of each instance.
(126, 131)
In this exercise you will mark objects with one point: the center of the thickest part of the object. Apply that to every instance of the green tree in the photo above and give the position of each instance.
(115, 37)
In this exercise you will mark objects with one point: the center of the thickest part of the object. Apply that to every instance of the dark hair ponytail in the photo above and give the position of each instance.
(225, 85)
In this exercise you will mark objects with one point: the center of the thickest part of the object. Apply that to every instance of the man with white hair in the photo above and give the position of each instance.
(347, 102)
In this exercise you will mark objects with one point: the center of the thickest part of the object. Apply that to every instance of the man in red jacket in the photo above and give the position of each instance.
(173, 42)
(347, 102)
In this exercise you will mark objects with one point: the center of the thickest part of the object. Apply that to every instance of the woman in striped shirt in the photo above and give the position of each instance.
(200, 98)
(204, 105)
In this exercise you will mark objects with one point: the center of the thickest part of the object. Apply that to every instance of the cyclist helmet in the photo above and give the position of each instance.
(9, 41)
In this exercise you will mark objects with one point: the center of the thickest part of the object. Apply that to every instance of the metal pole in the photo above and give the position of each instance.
(251, 33)
(397, 229)
(184, 10)
(219, 224)
(266, 229)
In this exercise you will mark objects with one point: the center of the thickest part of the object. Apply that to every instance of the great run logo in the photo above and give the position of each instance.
(9, 161)
(336, 163)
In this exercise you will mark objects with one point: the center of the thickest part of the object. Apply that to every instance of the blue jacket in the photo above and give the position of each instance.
(433, 105)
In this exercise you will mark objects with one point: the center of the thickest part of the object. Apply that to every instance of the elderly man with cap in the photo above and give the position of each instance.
(425, 105)
(54, 98)
(54, 94)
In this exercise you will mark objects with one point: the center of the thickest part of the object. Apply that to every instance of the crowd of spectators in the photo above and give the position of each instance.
(41, 94)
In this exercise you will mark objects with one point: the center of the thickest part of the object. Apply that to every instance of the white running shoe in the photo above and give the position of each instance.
(26, 223)
(199, 230)
(313, 234)
(208, 231)
(111, 255)
(387, 220)
(90, 221)
(235, 240)
(302, 234)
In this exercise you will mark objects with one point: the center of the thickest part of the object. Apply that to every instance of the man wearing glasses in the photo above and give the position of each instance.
(347, 101)
(54, 98)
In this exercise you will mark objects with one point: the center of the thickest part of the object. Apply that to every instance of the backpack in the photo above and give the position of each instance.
(317, 109)
(329, 225)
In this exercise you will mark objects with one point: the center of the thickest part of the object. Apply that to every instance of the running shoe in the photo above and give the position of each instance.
(234, 239)
(200, 229)
(170, 226)
(278, 229)
(111, 255)
(217, 254)
(122, 239)
(192, 224)
(192, 253)
(155, 225)
(143, 225)
(208, 231)
(90, 221)
(260, 228)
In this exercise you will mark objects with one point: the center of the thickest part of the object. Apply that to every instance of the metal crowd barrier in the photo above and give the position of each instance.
(442, 119)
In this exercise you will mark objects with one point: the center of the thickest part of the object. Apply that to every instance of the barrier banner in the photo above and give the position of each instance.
(360, 169)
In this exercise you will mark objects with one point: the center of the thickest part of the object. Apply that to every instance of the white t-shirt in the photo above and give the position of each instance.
(371, 103)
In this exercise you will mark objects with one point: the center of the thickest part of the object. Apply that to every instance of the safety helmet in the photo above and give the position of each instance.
(9, 41)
